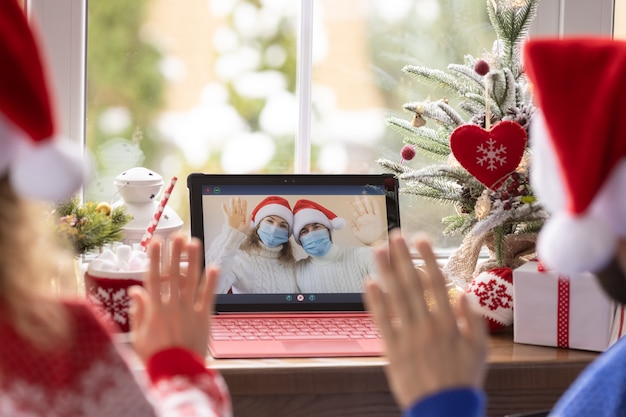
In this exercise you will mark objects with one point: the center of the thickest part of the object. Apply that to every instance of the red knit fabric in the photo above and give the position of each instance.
(492, 291)
(89, 377)
(174, 361)
(580, 87)
(164, 370)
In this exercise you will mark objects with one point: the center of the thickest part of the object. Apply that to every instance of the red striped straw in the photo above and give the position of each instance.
(147, 237)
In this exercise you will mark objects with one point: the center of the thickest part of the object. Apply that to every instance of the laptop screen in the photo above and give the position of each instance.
(292, 242)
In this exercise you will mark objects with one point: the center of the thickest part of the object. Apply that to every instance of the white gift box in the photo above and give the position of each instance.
(551, 309)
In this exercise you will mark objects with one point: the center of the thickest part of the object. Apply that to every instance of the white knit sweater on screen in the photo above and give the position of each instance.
(342, 269)
(245, 272)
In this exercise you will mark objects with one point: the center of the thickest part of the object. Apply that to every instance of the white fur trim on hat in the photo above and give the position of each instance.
(573, 244)
(309, 215)
(610, 202)
(545, 176)
(51, 171)
(274, 210)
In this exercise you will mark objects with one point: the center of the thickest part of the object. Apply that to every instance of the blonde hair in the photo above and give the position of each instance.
(31, 271)
(253, 244)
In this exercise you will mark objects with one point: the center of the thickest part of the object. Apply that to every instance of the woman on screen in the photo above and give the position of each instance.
(329, 268)
(255, 255)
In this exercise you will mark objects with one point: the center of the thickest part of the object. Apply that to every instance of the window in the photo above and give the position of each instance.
(619, 26)
(213, 86)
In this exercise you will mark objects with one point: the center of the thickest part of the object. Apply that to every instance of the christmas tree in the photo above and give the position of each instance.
(481, 147)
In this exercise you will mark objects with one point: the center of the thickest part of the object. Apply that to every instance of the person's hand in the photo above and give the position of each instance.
(236, 214)
(429, 348)
(368, 225)
(174, 307)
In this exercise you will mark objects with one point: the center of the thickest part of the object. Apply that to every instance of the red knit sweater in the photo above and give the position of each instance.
(89, 377)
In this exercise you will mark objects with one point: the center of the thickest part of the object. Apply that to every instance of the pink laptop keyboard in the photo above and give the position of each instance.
(310, 328)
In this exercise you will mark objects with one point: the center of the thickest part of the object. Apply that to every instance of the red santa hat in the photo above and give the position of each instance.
(38, 165)
(579, 149)
(272, 206)
(307, 212)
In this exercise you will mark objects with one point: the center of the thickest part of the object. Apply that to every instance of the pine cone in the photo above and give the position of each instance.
(479, 119)
(521, 115)
(466, 205)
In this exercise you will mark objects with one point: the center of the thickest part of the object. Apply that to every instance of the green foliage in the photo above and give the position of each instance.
(89, 226)
(511, 208)
(511, 23)
(429, 141)
(458, 224)
(437, 78)
(443, 184)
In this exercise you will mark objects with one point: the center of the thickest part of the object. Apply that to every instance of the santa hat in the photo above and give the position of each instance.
(579, 149)
(38, 166)
(272, 206)
(307, 212)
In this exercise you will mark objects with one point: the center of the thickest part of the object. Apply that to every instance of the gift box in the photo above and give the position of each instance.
(552, 309)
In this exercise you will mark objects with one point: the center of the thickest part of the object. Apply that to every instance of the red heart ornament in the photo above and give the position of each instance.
(490, 156)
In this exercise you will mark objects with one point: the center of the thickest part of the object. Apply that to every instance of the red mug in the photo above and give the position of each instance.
(107, 291)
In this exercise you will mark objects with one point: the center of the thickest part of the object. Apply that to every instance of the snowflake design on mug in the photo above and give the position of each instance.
(113, 303)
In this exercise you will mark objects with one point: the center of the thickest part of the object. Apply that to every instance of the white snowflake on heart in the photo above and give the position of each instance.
(492, 156)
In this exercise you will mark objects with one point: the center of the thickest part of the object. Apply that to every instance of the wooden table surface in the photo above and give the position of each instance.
(519, 378)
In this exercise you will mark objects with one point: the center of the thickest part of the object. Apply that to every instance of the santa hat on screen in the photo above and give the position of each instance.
(38, 165)
(579, 149)
(307, 212)
(272, 206)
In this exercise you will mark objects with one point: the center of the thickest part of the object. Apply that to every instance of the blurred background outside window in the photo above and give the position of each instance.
(619, 20)
(211, 86)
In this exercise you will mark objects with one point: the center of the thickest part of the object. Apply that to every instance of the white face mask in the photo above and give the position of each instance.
(317, 242)
(272, 236)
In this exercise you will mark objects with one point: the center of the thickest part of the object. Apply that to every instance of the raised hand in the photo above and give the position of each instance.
(174, 307)
(236, 214)
(430, 348)
(368, 224)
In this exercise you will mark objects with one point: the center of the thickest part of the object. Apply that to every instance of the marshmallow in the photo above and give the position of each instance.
(124, 259)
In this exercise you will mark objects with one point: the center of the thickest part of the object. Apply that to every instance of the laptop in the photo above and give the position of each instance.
(304, 305)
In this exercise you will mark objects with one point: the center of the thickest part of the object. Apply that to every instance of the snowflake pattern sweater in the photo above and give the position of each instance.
(342, 269)
(245, 272)
(89, 378)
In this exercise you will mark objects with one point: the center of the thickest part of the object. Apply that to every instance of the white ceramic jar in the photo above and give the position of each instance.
(139, 188)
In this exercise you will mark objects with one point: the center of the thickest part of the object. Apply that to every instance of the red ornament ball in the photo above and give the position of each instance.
(492, 291)
(481, 67)
(407, 152)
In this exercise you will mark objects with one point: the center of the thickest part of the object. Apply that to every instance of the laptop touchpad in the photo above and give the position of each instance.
(322, 346)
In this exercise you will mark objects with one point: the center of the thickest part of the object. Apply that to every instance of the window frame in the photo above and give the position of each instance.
(63, 28)
(62, 25)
